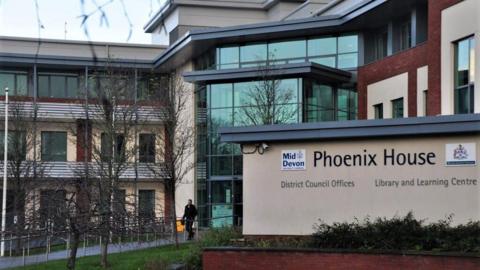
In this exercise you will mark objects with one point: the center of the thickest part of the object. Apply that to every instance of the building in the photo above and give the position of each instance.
(280, 62)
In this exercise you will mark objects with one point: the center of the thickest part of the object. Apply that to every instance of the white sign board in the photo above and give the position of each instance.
(460, 154)
(293, 160)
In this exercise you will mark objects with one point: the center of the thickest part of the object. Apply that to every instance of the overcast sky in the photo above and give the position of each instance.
(19, 18)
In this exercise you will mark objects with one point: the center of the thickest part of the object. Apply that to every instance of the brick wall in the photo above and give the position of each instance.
(258, 259)
(428, 53)
(406, 61)
(435, 8)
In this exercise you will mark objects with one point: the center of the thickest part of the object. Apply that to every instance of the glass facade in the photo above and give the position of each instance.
(333, 51)
(276, 101)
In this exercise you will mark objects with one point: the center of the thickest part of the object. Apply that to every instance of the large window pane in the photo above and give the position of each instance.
(217, 147)
(245, 93)
(221, 95)
(320, 103)
(326, 61)
(72, 87)
(256, 53)
(43, 86)
(462, 62)
(220, 118)
(322, 46)
(287, 50)
(54, 146)
(229, 57)
(285, 113)
(349, 60)
(287, 91)
(347, 44)
(57, 86)
(6, 80)
(221, 192)
(221, 165)
(22, 85)
(250, 116)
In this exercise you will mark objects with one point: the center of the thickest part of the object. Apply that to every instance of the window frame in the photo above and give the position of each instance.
(395, 109)
(469, 88)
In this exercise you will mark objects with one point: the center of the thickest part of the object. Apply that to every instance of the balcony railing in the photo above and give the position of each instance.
(72, 111)
(72, 170)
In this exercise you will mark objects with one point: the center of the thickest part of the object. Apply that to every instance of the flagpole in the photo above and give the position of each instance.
(4, 197)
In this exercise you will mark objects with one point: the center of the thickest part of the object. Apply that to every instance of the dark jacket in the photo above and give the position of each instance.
(190, 212)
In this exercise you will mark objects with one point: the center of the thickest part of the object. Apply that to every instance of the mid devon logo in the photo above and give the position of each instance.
(460, 154)
(293, 160)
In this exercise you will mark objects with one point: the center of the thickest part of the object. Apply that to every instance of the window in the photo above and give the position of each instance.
(253, 55)
(347, 52)
(146, 203)
(405, 35)
(17, 142)
(284, 52)
(397, 108)
(54, 146)
(106, 147)
(464, 76)
(228, 57)
(221, 95)
(119, 203)
(16, 83)
(323, 51)
(378, 111)
(58, 86)
(52, 209)
(381, 44)
(320, 103)
(147, 147)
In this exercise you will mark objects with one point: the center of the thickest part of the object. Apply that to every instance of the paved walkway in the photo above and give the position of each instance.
(8, 262)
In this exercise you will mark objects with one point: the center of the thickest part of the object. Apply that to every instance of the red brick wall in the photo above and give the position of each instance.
(297, 260)
(406, 61)
(81, 143)
(435, 8)
(428, 53)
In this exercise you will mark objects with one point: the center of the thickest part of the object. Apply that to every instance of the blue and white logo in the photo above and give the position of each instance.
(293, 160)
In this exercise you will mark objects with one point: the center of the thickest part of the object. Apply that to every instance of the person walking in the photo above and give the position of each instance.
(189, 215)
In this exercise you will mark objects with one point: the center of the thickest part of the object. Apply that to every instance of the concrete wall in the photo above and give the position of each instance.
(458, 22)
(422, 85)
(51, 47)
(385, 91)
(272, 209)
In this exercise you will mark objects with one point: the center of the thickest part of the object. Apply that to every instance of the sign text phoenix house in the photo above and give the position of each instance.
(366, 159)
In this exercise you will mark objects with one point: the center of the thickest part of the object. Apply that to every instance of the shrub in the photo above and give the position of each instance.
(398, 233)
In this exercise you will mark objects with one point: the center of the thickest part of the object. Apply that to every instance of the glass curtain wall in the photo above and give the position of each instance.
(337, 52)
(219, 169)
